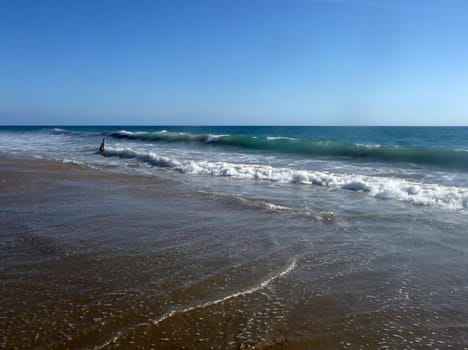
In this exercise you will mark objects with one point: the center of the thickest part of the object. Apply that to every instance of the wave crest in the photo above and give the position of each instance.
(442, 158)
(453, 198)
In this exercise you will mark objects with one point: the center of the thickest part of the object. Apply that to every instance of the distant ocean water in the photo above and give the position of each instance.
(419, 166)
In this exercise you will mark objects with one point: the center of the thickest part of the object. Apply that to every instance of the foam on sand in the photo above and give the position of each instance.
(263, 284)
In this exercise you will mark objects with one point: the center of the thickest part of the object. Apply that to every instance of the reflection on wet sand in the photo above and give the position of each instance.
(93, 260)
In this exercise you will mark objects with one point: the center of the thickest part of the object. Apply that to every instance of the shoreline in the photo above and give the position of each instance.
(96, 259)
(58, 169)
(78, 244)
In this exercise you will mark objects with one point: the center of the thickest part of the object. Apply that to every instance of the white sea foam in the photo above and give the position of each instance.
(262, 204)
(109, 341)
(214, 138)
(281, 138)
(324, 216)
(164, 317)
(59, 130)
(72, 161)
(130, 133)
(453, 198)
(370, 146)
(252, 290)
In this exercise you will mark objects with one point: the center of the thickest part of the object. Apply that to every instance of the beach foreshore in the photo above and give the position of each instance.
(98, 259)
(64, 233)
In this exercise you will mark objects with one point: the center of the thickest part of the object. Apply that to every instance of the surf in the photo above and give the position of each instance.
(443, 158)
(416, 193)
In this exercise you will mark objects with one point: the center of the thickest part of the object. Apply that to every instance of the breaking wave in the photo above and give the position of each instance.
(453, 198)
(442, 158)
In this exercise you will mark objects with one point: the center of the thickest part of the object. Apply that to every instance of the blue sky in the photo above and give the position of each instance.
(312, 62)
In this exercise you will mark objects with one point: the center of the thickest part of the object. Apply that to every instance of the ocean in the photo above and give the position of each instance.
(414, 167)
(291, 237)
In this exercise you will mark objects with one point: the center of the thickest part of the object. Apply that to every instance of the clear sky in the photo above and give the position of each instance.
(313, 62)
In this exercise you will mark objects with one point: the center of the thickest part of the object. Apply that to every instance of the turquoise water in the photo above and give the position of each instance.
(420, 166)
(443, 147)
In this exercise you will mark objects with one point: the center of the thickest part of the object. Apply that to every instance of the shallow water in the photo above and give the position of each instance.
(93, 259)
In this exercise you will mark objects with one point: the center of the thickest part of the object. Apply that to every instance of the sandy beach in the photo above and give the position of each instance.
(94, 259)
(100, 260)
(234, 175)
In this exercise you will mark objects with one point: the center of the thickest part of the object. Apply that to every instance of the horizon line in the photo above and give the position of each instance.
(239, 125)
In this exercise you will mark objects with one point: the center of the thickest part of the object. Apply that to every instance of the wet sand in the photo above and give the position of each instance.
(97, 260)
